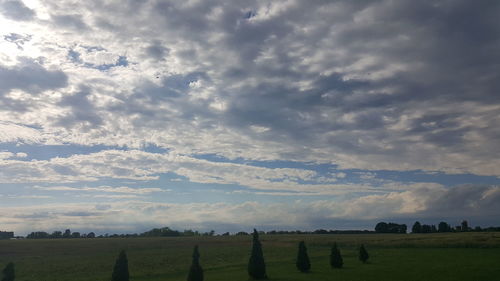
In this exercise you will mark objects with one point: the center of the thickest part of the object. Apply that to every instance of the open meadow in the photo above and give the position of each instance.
(452, 256)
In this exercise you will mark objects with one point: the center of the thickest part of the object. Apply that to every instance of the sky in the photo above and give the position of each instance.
(121, 116)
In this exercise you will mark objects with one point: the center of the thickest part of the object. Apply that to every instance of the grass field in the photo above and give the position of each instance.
(455, 256)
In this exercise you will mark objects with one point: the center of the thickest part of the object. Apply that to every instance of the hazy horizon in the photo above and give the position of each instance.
(122, 116)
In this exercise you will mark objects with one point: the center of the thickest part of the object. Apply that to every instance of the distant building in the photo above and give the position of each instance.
(6, 235)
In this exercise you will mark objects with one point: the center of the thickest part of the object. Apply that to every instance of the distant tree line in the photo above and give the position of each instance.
(6, 234)
(446, 227)
(155, 232)
(168, 232)
(383, 227)
(59, 234)
(317, 231)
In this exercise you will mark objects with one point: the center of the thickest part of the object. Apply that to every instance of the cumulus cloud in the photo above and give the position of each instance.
(31, 77)
(366, 85)
(16, 10)
(126, 216)
(354, 90)
(145, 166)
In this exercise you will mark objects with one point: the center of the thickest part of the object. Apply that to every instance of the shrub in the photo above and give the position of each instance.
(336, 260)
(8, 272)
(256, 264)
(303, 264)
(120, 271)
(195, 271)
(363, 254)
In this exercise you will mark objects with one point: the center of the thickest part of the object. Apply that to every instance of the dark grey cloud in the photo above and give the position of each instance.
(30, 77)
(157, 51)
(81, 214)
(82, 112)
(363, 84)
(70, 22)
(479, 204)
(36, 216)
(16, 10)
(371, 78)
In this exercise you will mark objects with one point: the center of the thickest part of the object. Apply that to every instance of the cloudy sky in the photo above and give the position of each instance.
(120, 116)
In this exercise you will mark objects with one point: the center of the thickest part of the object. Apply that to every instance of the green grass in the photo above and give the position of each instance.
(455, 256)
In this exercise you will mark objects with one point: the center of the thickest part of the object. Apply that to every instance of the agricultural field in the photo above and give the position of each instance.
(452, 256)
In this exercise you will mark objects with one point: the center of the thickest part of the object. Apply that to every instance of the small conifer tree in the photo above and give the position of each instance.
(336, 260)
(256, 264)
(120, 271)
(195, 271)
(8, 272)
(303, 263)
(363, 254)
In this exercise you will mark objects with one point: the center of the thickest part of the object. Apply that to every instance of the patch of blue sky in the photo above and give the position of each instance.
(122, 61)
(181, 190)
(46, 152)
(250, 14)
(151, 148)
(75, 57)
(357, 176)
(435, 177)
(266, 164)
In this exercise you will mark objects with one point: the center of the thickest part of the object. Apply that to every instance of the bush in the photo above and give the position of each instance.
(8, 272)
(120, 271)
(363, 254)
(256, 264)
(195, 271)
(303, 264)
(336, 260)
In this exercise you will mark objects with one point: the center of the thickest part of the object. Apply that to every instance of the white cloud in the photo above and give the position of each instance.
(21, 155)
(127, 216)
(280, 84)
(331, 82)
(119, 189)
(6, 154)
(144, 166)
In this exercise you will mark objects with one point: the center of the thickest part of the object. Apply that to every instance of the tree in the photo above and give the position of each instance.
(8, 272)
(120, 271)
(465, 225)
(336, 260)
(303, 263)
(195, 271)
(67, 233)
(416, 228)
(363, 254)
(403, 228)
(382, 227)
(426, 228)
(56, 234)
(444, 227)
(256, 264)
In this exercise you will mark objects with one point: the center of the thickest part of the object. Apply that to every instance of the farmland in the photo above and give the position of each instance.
(451, 256)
